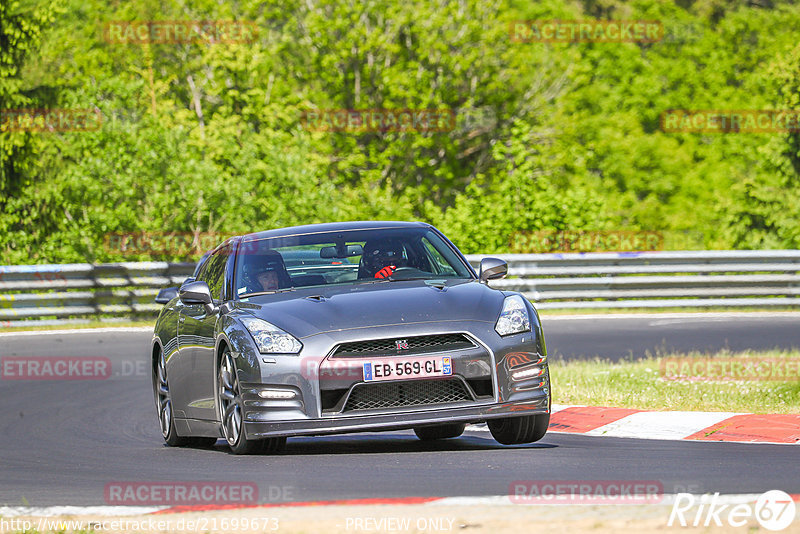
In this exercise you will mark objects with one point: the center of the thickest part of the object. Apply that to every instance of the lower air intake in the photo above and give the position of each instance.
(408, 393)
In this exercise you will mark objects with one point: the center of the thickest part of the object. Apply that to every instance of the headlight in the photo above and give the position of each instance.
(269, 338)
(514, 317)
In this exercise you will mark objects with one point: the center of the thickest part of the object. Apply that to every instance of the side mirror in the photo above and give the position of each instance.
(492, 269)
(198, 293)
(166, 295)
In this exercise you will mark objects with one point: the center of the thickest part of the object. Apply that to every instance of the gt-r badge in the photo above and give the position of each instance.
(401, 344)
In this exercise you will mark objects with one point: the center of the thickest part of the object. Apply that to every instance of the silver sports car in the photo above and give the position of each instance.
(346, 327)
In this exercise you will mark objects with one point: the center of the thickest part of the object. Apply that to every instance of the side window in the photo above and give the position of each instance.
(213, 272)
(439, 264)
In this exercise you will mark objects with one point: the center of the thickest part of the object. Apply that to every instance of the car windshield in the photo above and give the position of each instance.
(344, 257)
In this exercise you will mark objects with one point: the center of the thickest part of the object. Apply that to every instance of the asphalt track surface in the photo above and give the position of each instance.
(617, 337)
(62, 442)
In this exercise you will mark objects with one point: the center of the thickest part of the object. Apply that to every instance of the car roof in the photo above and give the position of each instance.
(332, 227)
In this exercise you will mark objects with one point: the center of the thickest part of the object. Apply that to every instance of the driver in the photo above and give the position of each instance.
(382, 258)
(269, 280)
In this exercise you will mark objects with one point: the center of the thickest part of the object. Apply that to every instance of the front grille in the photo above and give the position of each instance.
(416, 345)
(407, 393)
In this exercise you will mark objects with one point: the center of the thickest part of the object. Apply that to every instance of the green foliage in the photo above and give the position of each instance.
(208, 137)
(21, 28)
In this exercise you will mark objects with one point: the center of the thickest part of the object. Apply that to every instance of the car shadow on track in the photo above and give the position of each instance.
(387, 444)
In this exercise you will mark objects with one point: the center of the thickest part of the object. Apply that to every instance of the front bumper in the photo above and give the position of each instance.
(539, 404)
(488, 368)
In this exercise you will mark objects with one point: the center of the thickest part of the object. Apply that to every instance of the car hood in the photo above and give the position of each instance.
(307, 311)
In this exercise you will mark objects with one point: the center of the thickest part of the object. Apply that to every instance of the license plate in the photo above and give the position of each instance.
(404, 368)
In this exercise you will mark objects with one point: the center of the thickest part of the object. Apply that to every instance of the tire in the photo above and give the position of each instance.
(231, 408)
(164, 404)
(515, 430)
(430, 433)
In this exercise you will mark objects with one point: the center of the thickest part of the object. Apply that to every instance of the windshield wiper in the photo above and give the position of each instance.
(365, 282)
(270, 292)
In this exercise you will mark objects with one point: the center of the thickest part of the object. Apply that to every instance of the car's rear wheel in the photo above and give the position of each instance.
(430, 433)
(514, 430)
(164, 404)
(231, 409)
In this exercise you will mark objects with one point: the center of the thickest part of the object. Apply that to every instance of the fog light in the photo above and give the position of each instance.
(277, 394)
(531, 372)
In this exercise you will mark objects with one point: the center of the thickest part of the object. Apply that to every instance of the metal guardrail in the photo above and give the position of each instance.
(60, 294)
(760, 278)
(56, 294)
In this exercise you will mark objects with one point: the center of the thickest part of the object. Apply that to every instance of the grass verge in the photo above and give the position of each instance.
(642, 384)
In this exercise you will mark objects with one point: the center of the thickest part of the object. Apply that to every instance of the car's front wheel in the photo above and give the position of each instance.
(231, 409)
(164, 407)
(430, 433)
(515, 430)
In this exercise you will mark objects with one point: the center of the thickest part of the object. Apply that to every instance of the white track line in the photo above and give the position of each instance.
(103, 330)
(661, 425)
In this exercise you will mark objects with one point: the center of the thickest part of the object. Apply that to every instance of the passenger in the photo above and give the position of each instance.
(269, 280)
(264, 272)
